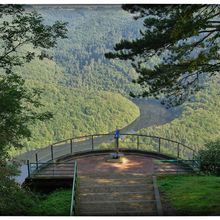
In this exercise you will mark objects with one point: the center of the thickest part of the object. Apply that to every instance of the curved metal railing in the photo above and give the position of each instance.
(94, 142)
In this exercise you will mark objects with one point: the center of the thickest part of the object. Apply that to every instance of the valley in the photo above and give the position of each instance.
(85, 91)
(86, 123)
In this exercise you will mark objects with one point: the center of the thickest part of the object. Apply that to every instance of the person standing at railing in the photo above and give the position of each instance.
(117, 136)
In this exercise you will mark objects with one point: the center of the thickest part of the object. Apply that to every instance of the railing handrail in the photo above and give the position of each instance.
(73, 197)
(95, 137)
(195, 163)
(129, 134)
(74, 138)
(158, 137)
(51, 163)
(38, 166)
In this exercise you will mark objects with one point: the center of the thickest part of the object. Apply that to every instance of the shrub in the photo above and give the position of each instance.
(209, 158)
(14, 200)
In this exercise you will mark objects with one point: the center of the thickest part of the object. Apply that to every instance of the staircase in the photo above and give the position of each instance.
(171, 167)
(117, 194)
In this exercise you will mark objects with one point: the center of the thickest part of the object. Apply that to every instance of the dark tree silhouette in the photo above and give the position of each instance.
(23, 36)
(187, 40)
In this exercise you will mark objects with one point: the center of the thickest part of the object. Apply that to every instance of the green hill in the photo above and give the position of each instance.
(199, 122)
(92, 31)
(82, 88)
(77, 111)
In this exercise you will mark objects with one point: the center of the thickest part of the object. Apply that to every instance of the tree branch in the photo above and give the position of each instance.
(13, 49)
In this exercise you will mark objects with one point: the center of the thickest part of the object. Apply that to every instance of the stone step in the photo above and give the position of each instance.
(170, 169)
(172, 172)
(114, 175)
(115, 188)
(113, 181)
(118, 213)
(117, 196)
(114, 207)
(172, 165)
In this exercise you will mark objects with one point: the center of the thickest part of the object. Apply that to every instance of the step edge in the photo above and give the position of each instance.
(147, 191)
(117, 185)
(127, 201)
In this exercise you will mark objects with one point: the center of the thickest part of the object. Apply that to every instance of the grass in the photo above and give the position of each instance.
(191, 195)
(55, 204)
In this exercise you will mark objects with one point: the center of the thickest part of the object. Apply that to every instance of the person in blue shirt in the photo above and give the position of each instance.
(117, 135)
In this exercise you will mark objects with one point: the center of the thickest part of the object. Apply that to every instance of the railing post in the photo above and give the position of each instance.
(28, 167)
(71, 146)
(193, 160)
(159, 144)
(51, 149)
(92, 143)
(117, 145)
(138, 142)
(53, 169)
(36, 157)
(178, 150)
(177, 166)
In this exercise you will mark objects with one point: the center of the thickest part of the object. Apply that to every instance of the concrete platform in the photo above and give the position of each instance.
(92, 165)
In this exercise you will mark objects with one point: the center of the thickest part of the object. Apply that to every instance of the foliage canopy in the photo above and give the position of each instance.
(199, 121)
(15, 200)
(185, 37)
(19, 28)
(209, 158)
(21, 33)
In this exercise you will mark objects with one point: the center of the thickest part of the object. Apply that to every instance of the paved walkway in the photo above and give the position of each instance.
(98, 164)
(130, 164)
(115, 189)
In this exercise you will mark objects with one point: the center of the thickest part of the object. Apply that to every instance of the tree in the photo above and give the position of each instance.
(185, 37)
(17, 111)
(19, 28)
(23, 37)
(15, 200)
(209, 158)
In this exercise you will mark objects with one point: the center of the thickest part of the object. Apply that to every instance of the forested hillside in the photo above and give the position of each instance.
(81, 86)
(77, 111)
(92, 31)
(200, 120)
(83, 89)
